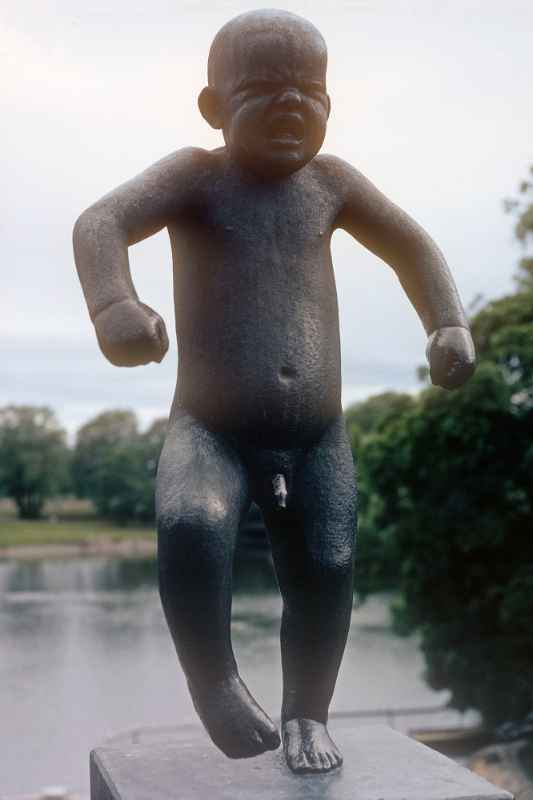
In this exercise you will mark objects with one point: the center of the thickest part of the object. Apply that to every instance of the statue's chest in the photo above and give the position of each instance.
(283, 220)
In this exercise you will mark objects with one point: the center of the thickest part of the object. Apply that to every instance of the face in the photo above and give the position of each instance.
(274, 103)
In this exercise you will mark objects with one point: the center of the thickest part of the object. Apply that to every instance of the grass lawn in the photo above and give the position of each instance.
(72, 523)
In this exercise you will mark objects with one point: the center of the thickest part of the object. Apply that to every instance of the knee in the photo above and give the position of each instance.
(191, 517)
(333, 564)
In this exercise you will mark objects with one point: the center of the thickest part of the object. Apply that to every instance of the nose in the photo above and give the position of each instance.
(290, 97)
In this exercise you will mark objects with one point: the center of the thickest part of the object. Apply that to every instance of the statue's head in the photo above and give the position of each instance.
(267, 91)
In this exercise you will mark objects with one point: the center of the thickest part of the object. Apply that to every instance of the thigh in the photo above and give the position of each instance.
(200, 477)
(317, 531)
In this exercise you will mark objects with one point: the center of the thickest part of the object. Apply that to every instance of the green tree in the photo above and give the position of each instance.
(377, 561)
(125, 478)
(93, 441)
(33, 457)
(454, 477)
(502, 333)
(115, 465)
(522, 208)
(374, 413)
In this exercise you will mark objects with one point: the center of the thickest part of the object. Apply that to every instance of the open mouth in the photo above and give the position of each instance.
(286, 129)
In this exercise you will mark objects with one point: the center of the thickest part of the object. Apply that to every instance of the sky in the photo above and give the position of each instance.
(430, 100)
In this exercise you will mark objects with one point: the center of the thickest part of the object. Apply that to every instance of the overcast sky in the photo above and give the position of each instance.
(431, 100)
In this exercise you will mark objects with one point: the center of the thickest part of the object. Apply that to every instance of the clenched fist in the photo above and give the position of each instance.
(452, 357)
(130, 333)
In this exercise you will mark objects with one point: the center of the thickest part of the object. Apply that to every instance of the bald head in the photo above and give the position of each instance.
(267, 91)
(267, 34)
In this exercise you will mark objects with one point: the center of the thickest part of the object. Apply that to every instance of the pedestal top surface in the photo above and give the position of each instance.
(379, 764)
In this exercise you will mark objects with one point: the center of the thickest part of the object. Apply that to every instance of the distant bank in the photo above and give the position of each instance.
(77, 532)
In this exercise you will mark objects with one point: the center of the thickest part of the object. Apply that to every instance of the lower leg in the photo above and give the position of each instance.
(315, 625)
(317, 655)
(199, 508)
(194, 565)
(313, 549)
(198, 610)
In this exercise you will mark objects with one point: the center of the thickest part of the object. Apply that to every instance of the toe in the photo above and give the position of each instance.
(268, 732)
(255, 738)
(296, 758)
(314, 761)
(272, 740)
(293, 755)
(301, 763)
(253, 747)
(245, 745)
(325, 762)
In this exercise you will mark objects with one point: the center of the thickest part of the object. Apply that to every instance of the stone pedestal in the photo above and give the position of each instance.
(379, 764)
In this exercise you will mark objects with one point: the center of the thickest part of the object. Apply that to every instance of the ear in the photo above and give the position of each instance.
(210, 107)
(329, 104)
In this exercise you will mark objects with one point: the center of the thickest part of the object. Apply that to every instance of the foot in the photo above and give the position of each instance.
(234, 721)
(308, 746)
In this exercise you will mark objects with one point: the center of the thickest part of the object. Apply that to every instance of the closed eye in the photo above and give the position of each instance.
(309, 88)
(315, 89)
(259, 87)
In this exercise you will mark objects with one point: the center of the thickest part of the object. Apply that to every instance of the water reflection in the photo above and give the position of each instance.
(115, 574)
(254, 577)
(85, 653)
(79, 575)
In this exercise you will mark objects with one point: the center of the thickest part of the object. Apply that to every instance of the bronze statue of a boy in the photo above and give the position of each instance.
(257, 411)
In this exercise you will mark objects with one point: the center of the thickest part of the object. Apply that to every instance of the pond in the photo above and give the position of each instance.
(85, 654)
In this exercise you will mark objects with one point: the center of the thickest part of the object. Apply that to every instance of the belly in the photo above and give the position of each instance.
(258, 333)
(270, 374)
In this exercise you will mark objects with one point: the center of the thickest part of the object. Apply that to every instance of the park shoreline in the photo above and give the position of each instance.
(133, 547)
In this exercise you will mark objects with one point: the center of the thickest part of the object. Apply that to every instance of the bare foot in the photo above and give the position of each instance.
(308, 746)
(234, 721)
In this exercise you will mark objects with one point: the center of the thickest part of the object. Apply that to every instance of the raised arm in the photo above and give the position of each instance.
(128, 331)
(396, 238)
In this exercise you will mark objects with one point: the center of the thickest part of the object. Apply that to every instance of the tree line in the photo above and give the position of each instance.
(112, 463)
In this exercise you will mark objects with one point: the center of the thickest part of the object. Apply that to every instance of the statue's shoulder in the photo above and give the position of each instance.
(337, 176)
(190, 162)
(182, 176)
(349, 186)
(335, 170)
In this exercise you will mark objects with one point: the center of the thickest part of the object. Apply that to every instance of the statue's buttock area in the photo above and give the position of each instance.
(257, 413)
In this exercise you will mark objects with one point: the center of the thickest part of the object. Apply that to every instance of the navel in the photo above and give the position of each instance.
(287, 374)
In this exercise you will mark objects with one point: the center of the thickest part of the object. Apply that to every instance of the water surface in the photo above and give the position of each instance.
(85, 654)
